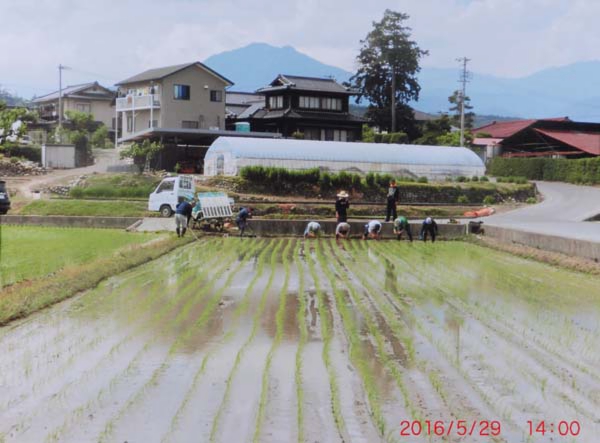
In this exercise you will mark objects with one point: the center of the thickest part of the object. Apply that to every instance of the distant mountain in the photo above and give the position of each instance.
(572, 90)
(10, 99)
(257, 65)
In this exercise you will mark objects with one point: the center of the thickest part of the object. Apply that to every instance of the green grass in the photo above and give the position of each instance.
(29, 252)
(117, 186)
(87, 208)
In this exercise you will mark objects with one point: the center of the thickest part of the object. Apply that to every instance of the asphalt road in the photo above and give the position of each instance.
(563, 212)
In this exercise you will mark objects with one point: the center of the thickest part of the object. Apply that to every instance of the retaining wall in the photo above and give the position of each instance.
(296, 228)
(68, 221)
(568, 246)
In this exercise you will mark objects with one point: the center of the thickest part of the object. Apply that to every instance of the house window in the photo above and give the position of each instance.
(152, 123)
(216, 96)
(181, 92)
(129, 123)
(189, 124)
(311, 134)
(332, 104)
(83, 107)
(276, 102)
(309, 102)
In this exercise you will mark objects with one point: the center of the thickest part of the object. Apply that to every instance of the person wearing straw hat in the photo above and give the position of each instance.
(341, 207)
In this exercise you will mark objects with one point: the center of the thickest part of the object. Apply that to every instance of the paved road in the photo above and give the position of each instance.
(563, 212)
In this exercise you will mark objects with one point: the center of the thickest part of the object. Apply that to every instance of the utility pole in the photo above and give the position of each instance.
(464, 79)
(60, 108)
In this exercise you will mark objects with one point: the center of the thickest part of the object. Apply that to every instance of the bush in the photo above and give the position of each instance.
(462, 199)
(489, 200)
(370, 180)
(484, 178)
(422, 180)
(474, 178)
(99, 138)
(586, 170)
(531, 200)
(461, 179)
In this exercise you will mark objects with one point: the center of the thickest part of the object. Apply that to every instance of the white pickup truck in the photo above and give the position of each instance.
(166, 195)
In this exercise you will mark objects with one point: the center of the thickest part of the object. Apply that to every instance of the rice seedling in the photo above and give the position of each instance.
(300, 317)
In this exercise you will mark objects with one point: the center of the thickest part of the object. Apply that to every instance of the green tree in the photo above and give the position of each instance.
(432, 129)
(454, 100)
(99, 137)
(81, 121)
(142, 153)
(453, 139)
(388, 51)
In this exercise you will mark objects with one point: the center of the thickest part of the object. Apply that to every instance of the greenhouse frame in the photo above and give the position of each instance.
(228, 155)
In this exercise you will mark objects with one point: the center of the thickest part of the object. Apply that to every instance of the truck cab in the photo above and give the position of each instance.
(4, 199)
(167, 193)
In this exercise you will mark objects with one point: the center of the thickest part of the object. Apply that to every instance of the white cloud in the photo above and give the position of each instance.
(107, 40)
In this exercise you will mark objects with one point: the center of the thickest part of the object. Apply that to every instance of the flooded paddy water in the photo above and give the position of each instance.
(281, 340)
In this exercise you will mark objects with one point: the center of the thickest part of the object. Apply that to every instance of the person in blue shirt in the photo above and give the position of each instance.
(183, 212)
(242, 219)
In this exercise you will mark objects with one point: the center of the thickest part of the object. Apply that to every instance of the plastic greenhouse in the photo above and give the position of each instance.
(227, 155)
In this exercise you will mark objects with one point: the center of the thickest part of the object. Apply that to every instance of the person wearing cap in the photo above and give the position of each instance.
(183, 212)
(372, 230)
(342, 230)
(312, 230)
(242, 219)
(393, 196)
(429, 227)
(401, 226)
(341, 207)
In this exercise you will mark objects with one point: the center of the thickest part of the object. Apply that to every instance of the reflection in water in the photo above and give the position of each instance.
(454, 322)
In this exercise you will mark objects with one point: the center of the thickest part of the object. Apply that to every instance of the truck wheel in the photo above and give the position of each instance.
(166, 211)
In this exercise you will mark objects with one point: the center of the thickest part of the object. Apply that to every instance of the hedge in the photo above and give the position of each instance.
(372, 187)
(29, 152)
(586, 170)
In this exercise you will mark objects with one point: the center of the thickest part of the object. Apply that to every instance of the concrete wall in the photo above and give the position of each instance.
(568, 246)
(59, 156)
(68, 221)
(296, 228)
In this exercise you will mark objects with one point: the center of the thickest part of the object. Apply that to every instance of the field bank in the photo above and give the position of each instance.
(280, 340)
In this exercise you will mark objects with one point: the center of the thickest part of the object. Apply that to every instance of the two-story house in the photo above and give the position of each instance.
(91, 98)
(187, 96)
(316, 107)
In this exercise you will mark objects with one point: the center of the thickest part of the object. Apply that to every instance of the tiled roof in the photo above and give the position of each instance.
(69, 90)
(325, 116)
(510, 128)
(295, 82)
(243, 98)
(586, 141)
(160, 73)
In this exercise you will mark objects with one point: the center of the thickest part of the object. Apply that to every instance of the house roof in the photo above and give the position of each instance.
(586, 141)
(72, 90)
(243, 98)
(160, 73)
(510, 128)
(300, 83)
(307, 115)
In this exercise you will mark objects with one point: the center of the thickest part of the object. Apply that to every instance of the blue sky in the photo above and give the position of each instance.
(107, 40)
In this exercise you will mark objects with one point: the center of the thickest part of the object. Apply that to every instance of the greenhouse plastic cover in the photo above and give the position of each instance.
(287, 149)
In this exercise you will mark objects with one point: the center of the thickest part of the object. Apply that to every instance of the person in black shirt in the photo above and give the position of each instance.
(429, 227)
(182, 216)
(341, 207)
(393, 196)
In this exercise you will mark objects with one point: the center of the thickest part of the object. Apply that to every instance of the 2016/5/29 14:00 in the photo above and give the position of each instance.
(562, 428)
(460, 428)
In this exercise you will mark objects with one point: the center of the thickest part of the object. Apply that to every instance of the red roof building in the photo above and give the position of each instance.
(554, 137)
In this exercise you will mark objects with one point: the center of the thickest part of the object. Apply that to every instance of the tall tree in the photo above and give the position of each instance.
(454, 100)
(388, 56)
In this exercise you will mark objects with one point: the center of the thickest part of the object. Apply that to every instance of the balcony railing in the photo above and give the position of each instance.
(138, 102)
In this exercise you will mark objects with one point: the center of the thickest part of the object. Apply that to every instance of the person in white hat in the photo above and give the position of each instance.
(430, 227)
(341, 207)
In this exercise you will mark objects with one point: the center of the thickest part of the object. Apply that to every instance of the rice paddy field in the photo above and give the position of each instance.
(281, 340)
(28, 252)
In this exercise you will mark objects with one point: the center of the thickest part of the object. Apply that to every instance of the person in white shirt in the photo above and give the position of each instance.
(342, 230)
(312, 230)
(372, 230)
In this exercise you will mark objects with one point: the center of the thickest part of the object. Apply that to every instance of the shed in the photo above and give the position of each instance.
(227, 155)
(59, 156)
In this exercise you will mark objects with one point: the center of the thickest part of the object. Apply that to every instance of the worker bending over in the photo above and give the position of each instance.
(242, 219)
(429, 227)
(183, 212)
(372, 230)
(312, 230)
(342, 230)
(401, 226)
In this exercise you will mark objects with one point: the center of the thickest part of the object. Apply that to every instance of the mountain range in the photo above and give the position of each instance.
(571, 90)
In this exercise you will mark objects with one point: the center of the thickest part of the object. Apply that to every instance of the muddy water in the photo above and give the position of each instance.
(205, 344)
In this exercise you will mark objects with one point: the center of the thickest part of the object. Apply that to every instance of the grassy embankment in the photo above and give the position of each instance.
(46, 265)
(90, 208)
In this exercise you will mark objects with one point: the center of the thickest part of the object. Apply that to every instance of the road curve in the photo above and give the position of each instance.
(562, 213)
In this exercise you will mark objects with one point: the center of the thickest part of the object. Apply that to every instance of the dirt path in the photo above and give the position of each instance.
(276, 340)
